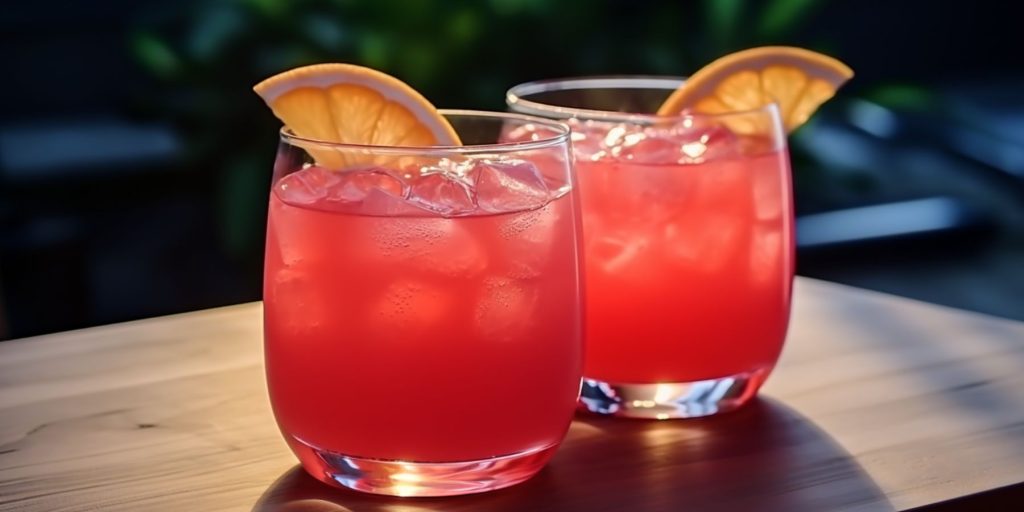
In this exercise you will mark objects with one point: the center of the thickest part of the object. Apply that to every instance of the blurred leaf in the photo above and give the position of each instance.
(660, 59)
(275, 60)
(243, 203)
(722, 20)
(214, 30)
(156, 55)
(273, 9)
(463, 27)
(418, 63)
(781, 17)
(514, 7)
(374, 50)
(325, 30)
(903, 97)
(412, 11)
(462, 53)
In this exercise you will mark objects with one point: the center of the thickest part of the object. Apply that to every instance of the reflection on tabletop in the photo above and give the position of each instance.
(763, 457)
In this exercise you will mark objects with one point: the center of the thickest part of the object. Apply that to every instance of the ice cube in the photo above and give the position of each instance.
(306, 186)
(356, 185)
(296, 300)
(707, 246)
(433, 246)
(616, 136)
(366, 191)
(527, 239)
(382, 203)
(688, 141)
(648, 149)
(526, 132)
(505, 309)
(586, 139)
(369, 191)
(766, 262)
(508, 185)
(594, 140)
(443, 193)
(769, 192)
(616, 253)
(455, 253)
(709, 142)
(407, 309)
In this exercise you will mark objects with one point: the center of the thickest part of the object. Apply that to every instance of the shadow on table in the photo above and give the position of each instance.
(763, 457)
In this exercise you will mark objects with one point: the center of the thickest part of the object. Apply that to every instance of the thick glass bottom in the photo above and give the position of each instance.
(669, 400)
(404, 478)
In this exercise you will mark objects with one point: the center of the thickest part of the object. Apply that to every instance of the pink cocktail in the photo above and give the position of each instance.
(688, 246)
(422, 310)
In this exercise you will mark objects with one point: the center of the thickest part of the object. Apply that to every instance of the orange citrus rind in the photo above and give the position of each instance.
(349, 104)
(797, 80)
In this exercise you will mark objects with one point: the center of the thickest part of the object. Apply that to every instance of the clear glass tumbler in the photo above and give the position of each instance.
(688, 245)
(422, 307)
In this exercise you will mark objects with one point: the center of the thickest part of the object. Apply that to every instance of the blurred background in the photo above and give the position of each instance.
(135, 160)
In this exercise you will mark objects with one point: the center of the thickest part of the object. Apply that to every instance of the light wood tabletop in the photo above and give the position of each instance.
(879, 403)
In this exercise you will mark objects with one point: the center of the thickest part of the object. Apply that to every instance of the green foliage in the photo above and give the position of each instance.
(155, 55)
(780, 16)
(458, 53)
(723, 21)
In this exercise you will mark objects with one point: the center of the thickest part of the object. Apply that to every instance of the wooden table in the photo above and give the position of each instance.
(880, 403)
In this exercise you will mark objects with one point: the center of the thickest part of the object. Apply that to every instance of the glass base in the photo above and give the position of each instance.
(401, 478)
(669, 400)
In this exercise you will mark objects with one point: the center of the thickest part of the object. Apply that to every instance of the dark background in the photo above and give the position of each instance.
(135, 160)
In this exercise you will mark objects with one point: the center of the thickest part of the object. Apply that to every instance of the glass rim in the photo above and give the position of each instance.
(561, 136)
(514, 98)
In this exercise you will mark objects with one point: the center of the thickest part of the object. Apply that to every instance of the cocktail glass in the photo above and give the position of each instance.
(688, 245)
(422, 306)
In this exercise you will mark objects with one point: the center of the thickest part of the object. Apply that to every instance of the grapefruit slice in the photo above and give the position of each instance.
(798, 80)
(345, 103)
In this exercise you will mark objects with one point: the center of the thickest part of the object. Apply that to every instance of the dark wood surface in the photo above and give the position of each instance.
(879, 403)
